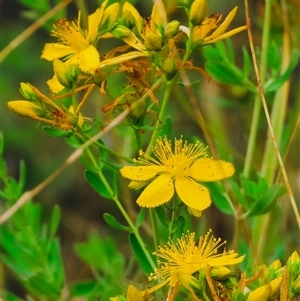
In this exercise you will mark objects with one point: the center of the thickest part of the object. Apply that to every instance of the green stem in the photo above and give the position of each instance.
(123, 211)
(257, 101)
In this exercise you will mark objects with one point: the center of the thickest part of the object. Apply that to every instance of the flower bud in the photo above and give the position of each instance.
(60, 70)
(275, 287)
(121, 32)
(133, 294)
(189, 282)
(260, 294)
(169, 65)
(185, 3)
(153, 42)
(131, 17)
(171, 29)
(219, 273)
(198, 12)
(27, 91)
(296, 286)
(25, 108)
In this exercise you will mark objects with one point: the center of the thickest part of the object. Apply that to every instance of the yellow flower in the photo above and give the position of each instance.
(178, 170)
(151, 31)
(76, 44)
(186, 258)
(210, 31)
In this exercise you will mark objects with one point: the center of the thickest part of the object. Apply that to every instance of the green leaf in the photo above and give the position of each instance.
(160, 212)
(84, 289)
(9, 297)
(263, 205)
(1, 143)
(139, 254)
(101, 254)
(140, 218)
(98, 185)
(22, 178)
(220, 197)
(274, 84)
(55, 219)
(112, 221)
(178, 227)
(55, 132)
(247, 62)
(238, 195)
(166, 129)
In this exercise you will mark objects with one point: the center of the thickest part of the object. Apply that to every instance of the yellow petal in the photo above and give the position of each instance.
(192, 194)
(208, 169)
(122, 58)
(222, 28)
(54, 85)
(158, 192)
(141, 173)
(137, 184)
(132, 15)
(133, 294)
(226, 35)
(89, 60)
(94, 21)
(158, 15)
(134, 42)
(54, 51)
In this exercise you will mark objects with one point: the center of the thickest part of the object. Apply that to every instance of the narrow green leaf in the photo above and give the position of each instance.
(274, 84)
(55, 219)
(1, 143)
(162, 216)
(55, 132)
(139, 254)
(98, 185)
(112, 221)
(22, 178)
(247, 63)
(178, 227)
(263, 205)
(140, 218)
(219, 197)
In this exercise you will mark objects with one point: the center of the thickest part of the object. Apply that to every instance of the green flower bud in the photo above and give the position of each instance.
(153, 42)
(171, 29)
(121, 32)
(60, 70)
(27, 91)
(198, 12)
(185, 3)
(296, 286)
(231, 282)
(72, 73)
(169, 65)
(219, 273)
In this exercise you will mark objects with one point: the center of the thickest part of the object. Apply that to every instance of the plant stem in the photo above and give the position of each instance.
(257, 100)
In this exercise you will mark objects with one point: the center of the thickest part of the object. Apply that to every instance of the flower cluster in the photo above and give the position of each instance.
(152, 45)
